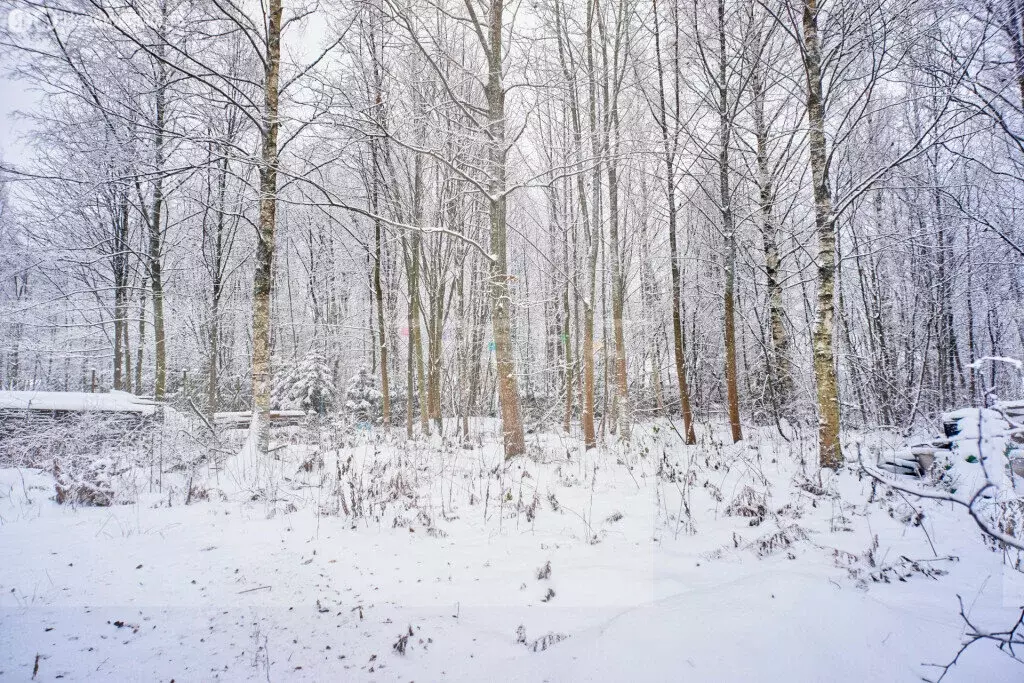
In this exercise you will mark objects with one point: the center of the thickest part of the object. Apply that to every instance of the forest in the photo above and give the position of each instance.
(705, 267)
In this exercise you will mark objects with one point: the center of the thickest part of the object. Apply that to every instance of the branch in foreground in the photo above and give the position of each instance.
(969, 504)
(1006, 640)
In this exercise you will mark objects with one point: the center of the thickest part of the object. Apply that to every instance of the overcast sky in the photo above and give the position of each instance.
(13, 97)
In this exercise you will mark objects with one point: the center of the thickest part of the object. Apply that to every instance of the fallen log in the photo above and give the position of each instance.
(242, 419)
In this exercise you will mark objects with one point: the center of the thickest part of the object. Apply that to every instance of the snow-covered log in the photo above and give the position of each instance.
(241, 419)
(75, 402)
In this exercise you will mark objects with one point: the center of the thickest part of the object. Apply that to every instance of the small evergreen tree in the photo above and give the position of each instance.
(305, 385)
(362, 398)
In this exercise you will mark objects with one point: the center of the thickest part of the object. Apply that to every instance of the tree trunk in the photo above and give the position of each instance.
(779, 373)
(830, 450)
(378, 228)
(378, 255)
(156, 236)
(413, 270)
(217, 293)
(593, 244)
(586, 378)
(263, 277)
(728, 227)
(971, 345)
(669, 151)
(435, 327)
(122, 355)
(610, 130)
(566, 338)
(140, 353)
(501, 302)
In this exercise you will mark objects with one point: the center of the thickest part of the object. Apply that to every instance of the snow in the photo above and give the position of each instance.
(982, 438)
(78, 401)
(244, 417)
(980, 363)
(278, 588)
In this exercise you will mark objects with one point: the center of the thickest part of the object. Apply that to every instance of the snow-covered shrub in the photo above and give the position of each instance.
(307, 384)
(375, 481)
(1007, 516)
(81, 480)
(108, 458)
(540, 644)
(749, 503)
(362, 397)
(379, 484)
(93, 456)
(783, 539)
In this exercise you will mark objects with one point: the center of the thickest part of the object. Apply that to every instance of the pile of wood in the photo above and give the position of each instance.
(57, 402)
(1013, 410)
(924, 453)
(920, 456)
(22, 411)
(37, 426)
(242, 419)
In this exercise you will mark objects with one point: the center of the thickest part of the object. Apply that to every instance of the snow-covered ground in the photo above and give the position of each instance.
(394, 560)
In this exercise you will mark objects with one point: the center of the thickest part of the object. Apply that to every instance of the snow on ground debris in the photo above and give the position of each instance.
(391, 560)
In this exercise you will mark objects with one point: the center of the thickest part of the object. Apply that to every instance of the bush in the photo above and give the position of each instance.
(304, 385)
(81, 480)
(93, 456)
(362, 398)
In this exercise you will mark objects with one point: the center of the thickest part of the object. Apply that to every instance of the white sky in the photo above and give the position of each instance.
(13, 97)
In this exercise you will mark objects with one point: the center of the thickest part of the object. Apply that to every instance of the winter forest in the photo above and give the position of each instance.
(512, 340)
